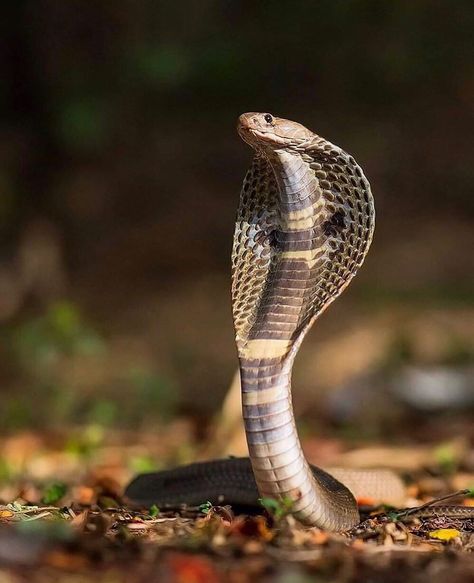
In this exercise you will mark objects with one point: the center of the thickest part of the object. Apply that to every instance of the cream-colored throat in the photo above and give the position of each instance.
(296, 180)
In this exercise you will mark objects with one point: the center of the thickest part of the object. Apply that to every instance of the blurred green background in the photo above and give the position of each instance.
(120, 170)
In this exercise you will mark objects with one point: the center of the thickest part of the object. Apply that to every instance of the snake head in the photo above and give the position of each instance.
(267, 132)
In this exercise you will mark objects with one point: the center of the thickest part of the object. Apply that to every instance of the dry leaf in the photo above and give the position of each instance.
(445, 534)
(319, 537)
(85, 495)
(192, 569)
(365, 501)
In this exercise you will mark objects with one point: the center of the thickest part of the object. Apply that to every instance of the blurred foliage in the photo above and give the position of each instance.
(83, 445)
(116, 130)
(143, 464)
(455, 352)
(42, 346)
(83, 124)
(54, 492)
(154, 393)
(447, 458)
(41, 341)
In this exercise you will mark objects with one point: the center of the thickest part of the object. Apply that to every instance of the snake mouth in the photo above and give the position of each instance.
(258, 138)
(268, 137)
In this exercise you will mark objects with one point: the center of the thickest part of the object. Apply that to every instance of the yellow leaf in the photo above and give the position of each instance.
(6, 514)
(445, 533)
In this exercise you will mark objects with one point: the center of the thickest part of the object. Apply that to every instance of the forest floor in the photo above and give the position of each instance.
(62, 518)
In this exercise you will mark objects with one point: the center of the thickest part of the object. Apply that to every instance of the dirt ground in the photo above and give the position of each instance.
(63, 518)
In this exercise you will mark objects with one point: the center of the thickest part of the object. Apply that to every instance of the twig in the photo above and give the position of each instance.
(416, 509)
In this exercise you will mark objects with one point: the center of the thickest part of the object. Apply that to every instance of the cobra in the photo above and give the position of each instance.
(304, 226)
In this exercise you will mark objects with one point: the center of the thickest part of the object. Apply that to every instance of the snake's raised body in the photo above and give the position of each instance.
(304, 226)
(305, 223)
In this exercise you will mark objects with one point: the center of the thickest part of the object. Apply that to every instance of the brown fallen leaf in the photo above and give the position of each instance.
(6, 514)
(85, 495)
(251, 527)
(191, 569)
(319, 537)
(63, 560)
(365, 501)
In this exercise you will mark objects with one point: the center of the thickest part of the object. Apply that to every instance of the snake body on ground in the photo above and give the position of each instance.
(304, 226)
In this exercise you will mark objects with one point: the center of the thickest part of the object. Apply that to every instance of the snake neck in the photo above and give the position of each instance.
(295, 246)
(298, 188)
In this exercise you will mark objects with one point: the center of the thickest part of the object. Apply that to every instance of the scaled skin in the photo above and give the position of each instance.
(305, 222)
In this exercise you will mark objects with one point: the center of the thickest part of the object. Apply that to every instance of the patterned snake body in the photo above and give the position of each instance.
(304, 226)
(305, 223)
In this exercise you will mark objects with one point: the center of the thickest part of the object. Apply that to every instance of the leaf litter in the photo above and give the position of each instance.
(87, 532)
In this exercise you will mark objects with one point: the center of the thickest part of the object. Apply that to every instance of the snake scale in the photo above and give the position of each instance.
(304, 226)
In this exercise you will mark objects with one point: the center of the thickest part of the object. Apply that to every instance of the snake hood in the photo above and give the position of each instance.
(304, 225)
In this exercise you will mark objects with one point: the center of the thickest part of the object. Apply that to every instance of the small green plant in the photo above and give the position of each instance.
(140, 464)
(394, 515)
(103, 412)
(53, 492)
(205, 508)
(59, 331)
(447, 458)
(154, 510)
(277, 508)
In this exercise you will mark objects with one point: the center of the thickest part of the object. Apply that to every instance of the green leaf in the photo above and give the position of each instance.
(269, 504)
(141, 464)
(393, 515)
(54, 492)
(154, 510)
(205, 508)
(107, 502)
(277, 508)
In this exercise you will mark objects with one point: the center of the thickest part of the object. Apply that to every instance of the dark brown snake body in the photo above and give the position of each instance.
(305, 223)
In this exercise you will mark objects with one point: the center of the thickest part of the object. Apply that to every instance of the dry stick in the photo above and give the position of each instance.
(415, 509)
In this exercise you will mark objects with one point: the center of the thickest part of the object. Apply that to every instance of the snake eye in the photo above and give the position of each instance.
(268, 118)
